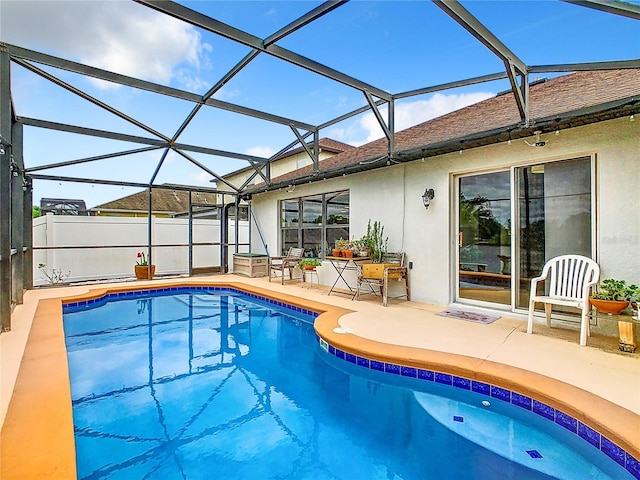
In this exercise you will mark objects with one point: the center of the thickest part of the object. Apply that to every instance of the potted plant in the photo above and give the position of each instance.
(612, 296)
(308, 263)
(143, 270)
(634, 298)
(339, 245)
(376, 241)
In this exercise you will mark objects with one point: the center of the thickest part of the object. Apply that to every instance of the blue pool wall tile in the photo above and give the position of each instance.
(613, 451)
(544, 410)
(567, 421)
(481, 387)
(408, 372)
(444, 378)
(633, 466)
(589, 435)
(521, 400)
(375, 365)
(392, 368)
(461, 382)
(363, 362)
(501, 393)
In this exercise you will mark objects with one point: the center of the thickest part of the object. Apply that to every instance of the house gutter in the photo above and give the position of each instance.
(584, 116)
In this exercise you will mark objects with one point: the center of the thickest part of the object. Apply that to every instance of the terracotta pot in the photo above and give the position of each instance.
(142, 272)
(309, 267)
(336, 252)
(347, 253)
(609, 306)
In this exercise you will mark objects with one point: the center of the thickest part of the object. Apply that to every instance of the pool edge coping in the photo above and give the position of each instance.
(37, 437)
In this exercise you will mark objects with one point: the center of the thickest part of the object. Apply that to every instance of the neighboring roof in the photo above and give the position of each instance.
(63, 206)
(563, 102)
(164, 200)
(325, 144)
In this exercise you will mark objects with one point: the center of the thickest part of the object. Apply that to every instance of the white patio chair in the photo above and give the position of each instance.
(569, 281)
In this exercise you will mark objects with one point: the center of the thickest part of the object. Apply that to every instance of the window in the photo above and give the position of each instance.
(314, 222)
(303, 162)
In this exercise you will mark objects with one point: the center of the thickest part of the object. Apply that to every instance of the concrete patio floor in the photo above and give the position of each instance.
(613, 376)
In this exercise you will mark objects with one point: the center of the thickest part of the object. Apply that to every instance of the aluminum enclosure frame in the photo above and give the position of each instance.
(16, 180)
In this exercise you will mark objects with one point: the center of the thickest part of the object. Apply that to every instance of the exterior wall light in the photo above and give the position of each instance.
(428, 195)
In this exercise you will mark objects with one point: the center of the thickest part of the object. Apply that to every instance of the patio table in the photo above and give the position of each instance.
(341, 265)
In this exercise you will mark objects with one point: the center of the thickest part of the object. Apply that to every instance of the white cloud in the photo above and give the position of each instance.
(203, 178)
(119, 36)
(261, 151)
(337, 133)
(226, 93)
(412, 113)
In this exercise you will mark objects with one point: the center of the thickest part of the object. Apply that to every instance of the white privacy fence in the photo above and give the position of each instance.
(106, 247)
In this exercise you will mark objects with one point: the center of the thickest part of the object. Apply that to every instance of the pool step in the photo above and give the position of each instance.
(509, 438)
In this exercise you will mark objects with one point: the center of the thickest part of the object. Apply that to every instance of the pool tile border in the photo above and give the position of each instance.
(69, 306)
(573, 425)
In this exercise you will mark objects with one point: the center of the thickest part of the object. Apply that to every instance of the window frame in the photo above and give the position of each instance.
(300, 228)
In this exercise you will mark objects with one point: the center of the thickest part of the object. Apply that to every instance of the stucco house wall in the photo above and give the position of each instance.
(392, 195)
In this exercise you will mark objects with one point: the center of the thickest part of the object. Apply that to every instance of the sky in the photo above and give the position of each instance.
(396, 46)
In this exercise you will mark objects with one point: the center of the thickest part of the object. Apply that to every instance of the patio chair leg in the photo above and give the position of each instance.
(532, 306)
(385, 291)
(585, 328)
(547, 311)
(406, 283)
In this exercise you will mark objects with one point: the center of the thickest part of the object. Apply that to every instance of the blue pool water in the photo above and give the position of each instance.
(202, 384)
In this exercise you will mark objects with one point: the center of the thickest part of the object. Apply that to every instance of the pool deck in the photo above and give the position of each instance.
(602, 388)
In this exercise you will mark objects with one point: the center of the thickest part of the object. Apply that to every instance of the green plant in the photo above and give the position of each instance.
(634, 293)
(54, 276)
(376, 241)
(308, 262)
(612, 289)
(341, 243)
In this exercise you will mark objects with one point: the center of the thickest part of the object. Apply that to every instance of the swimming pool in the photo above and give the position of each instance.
(190, 383)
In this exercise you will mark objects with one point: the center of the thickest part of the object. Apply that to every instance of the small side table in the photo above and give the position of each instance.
(309, 274)
(626, 328)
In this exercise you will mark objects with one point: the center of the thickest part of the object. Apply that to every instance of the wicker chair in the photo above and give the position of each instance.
(288, 262)
(382, 282)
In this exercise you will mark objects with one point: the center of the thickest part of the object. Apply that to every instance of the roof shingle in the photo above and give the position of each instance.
(547, 100)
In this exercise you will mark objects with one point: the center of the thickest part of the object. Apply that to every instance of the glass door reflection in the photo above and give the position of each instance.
(484, 238)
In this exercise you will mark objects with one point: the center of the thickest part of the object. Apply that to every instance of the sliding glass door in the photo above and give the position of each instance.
(555, 216)
(552, 208)
(484, 237)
